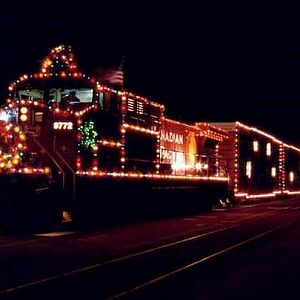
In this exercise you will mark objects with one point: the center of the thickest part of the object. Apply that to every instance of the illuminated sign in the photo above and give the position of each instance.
(172, 137)
(62, 125)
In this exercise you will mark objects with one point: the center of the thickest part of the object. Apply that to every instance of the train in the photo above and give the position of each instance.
(75, 148)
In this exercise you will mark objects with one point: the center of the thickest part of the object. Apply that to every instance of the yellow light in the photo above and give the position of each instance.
(24, 110)
(95, 148)
(22, 137)
(268, 149)
(261, 195)
(8, 165)
(23, 118)
(248, 169)
(154, 176)
(15, 161)
(47, 170)
(255, 146)
(17, 129)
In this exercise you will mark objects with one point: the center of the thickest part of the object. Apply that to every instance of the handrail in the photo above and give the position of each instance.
(72, 171)
(53, 159)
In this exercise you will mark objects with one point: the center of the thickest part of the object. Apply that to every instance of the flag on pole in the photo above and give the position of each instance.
(113, 76)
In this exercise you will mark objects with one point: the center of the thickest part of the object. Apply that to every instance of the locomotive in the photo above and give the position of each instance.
(73, 147)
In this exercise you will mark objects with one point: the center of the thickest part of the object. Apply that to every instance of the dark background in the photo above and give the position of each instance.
(205, 60)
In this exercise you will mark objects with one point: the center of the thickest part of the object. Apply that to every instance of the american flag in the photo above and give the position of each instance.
(115, 77)
(112, 76)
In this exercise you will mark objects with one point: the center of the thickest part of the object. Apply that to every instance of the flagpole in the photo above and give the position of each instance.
(122, 63)
(121, 68)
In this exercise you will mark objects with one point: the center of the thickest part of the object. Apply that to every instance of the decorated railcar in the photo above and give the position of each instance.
(105, 152)
(259, 164)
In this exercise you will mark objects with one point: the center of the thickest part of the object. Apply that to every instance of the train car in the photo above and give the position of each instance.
(259, 164)
(290, 166)
(110, 153)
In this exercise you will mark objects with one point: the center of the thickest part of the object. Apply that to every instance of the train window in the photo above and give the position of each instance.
(291, 176)
(136, 106)
(78, 95)
(255, 146)
(33, 94)
(130, 105)
(139, 107)
(268, 149)
(70, 96)
(248, 169)
(52, 95)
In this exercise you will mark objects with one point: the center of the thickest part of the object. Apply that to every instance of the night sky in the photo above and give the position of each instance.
(210, 61)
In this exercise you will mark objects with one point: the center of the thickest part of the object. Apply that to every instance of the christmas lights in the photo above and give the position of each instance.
(134, 114)
(88, 134)
(150, 175)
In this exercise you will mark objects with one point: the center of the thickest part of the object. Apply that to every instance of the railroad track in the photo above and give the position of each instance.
(194, 264)
(123, 277)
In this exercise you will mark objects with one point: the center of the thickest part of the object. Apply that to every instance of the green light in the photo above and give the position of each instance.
(88, 134)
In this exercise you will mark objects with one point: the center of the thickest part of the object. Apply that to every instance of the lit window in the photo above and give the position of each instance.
(140, 107)
(291, 176)
(273, 172)
(130, 104)
(248, 169)
(268, 149)
(255, 146)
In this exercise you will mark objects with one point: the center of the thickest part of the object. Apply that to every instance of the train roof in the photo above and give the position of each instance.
(61, 64)
(231, 126)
